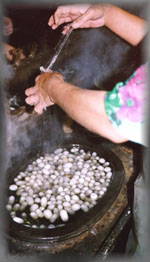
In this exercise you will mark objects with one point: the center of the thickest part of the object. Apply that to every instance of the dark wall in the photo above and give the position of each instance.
(91, 58)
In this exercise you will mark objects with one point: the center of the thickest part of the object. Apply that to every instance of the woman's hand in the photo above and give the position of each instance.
(7, 26)
(40, 94)
(80, 16)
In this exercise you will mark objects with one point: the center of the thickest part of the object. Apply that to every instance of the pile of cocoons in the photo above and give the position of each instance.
(57, 185)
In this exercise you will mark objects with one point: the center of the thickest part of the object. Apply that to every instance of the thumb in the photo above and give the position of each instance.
(83, 18)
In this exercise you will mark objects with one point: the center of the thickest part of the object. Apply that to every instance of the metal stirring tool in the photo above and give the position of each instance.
(60, 47)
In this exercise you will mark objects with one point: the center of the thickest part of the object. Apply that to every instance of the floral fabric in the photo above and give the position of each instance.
(125, 106)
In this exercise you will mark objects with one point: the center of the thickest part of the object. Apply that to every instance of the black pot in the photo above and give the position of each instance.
(81, 221)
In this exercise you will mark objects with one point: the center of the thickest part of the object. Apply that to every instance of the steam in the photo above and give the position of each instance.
(17, 140)
(30, 134)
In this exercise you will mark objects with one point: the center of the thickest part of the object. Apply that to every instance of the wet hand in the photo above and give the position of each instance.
(40, 95)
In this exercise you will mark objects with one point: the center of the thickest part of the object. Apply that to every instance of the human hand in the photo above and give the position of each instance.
(7, 26)
(40, 94)
(81, 16)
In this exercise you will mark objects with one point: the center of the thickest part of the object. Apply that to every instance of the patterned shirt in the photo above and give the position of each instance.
(126, 106)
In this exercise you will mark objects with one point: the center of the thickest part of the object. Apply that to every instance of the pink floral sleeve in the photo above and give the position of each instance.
(125, 105)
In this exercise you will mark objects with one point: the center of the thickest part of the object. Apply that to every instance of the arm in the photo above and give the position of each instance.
(84, 106)
(128, 26)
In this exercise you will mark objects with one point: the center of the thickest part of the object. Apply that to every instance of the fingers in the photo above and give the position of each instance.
(80, 19)
(7, 20)
(31, 91)
(33, 99)
(7, 31)
(63, 14)
(56, 19)
(40, 81)
(66, 29)
(37, 102)
(8, 26)
(83, 19)
(38, 95)
(62, 20)
(39, 109)
(51, 21)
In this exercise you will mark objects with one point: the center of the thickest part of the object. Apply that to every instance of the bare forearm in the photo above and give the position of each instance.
(85, 107)
(131, 28)
(80, 104)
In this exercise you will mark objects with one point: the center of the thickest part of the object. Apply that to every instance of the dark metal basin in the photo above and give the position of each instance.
(81, 221)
